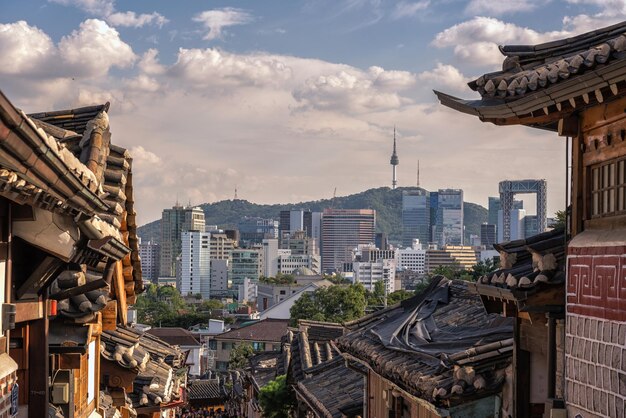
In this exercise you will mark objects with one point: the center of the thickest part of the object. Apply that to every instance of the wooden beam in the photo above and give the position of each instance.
(38, 371)
(29, 311)
(109, 316)
(79, 290)
(120, 293)
(38, 278)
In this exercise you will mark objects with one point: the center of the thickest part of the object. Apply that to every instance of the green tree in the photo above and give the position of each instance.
(276, 398)
(561, 219)
(337, 303)
(485, 267)
(336, 279)
(239, 355)
(398, 296)
(377, 296)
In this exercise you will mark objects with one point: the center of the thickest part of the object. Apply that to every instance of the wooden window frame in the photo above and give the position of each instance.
(607, 188)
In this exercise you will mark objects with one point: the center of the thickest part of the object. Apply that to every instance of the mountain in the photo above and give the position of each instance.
(387, 202)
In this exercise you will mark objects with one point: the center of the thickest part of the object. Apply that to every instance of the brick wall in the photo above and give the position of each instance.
(595, 355)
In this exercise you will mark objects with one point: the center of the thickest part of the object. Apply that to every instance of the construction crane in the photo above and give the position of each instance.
(332, 201)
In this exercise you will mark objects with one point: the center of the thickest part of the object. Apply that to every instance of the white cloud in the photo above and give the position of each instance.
(106, 9)
(25, 48)
(213, 67)
(499, 7)
(94, 48)
(445, 76)
(134, 20)
(216, 20)
(479, 38)
(355, 91)
(409, 9)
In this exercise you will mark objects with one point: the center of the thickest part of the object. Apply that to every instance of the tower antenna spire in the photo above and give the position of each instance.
(394, 161)
(418, 173)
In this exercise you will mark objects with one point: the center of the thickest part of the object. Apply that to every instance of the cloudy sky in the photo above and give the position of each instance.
(286, 100)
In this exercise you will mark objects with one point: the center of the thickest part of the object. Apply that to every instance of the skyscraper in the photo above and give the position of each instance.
(195, 262)
(415, 216)
(449, 228)
(150, 254)
(173, 222)
(254, 230)
(394, 161)
(342, 231)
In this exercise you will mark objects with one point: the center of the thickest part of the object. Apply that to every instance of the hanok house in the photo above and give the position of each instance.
(436, 354)
(324, 382)
(68, 252)
(576, 87)
(144, 376)
(530, 287)
(262, 335)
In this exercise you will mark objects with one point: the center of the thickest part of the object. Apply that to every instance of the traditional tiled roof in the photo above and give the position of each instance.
(553, 78)
(205, 389)
(311, 345)
(334, 390)
(157, 364)
(80, 175)
(85, 133)
(175, 336)
(440, 345)
(263, 367)
(269, 330)
(528, 265)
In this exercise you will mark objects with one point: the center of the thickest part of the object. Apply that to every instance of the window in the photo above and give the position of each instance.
(212, 345)
(222, 365)
(257, 346)
(608, 188)
(227, 346)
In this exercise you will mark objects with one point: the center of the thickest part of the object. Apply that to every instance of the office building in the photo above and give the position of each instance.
(244, 263)
(412, 259)
(369, 273)
(288, 262)
(220, 246)
(415, 216)
(195, 264)
(253, 230)
(299, 243)
(449, 228)
(516, 225)
(219, 277)
(150, 254)
(270, 257)
(173, 222)
(342, 231)
(456, 256)
(488, 235)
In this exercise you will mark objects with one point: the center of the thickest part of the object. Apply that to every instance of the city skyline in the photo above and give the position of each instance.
(303, 80)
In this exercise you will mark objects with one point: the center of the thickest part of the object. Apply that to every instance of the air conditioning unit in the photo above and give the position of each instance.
(60, 393)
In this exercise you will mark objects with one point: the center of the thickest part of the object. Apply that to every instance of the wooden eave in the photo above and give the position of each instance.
(26, 153)
(544, 108)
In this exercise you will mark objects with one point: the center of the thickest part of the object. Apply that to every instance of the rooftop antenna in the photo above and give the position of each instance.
(418, 173)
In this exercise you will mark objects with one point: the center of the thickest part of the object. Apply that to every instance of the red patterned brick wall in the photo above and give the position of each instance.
(596, 282)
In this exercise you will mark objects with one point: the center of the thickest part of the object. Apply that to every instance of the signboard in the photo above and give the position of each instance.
(15, 394)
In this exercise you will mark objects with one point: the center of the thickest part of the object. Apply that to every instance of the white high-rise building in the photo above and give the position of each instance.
(219, 276)
(270, 257)
(150, 254)
(370, 272)
(195, 264)
(413, 259)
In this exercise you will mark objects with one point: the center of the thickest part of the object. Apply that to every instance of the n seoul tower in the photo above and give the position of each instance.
(394, 161)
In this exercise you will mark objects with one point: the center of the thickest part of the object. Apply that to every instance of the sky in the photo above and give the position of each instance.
(285, 101)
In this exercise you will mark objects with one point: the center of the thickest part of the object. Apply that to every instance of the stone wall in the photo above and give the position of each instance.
(595, 355)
